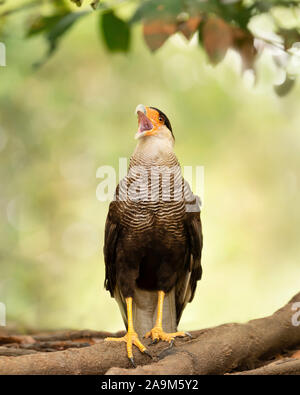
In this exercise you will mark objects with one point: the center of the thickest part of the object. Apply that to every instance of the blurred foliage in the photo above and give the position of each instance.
(219, 25)
(116, 32)
(61, 122)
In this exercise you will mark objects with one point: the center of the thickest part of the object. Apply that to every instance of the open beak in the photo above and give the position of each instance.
(145, 125)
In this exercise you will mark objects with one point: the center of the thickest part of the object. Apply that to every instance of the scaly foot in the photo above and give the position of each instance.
(130, 338)
(157, 334)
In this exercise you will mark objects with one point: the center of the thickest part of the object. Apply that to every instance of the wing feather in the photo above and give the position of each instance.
(187, 283)
(112, 231)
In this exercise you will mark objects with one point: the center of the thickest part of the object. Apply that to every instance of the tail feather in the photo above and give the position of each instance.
(144, 310)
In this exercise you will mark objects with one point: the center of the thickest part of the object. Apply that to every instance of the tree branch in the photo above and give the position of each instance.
(217, 350)
(285, 366)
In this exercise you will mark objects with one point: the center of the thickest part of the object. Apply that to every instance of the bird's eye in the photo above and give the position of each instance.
(160, 118)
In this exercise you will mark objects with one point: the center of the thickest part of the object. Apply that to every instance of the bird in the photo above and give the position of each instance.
(153, 238)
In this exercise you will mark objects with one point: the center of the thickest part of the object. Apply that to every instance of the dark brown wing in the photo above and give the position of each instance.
(112, 230)
(186, 284)
(111, 238)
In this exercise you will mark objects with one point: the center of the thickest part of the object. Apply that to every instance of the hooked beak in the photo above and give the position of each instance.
(145, 125)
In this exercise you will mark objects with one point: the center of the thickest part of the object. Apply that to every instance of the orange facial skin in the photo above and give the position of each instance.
(149, 120)
(155, 119)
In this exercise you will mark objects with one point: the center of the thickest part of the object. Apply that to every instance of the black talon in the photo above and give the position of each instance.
(155, 341)
(171, 343)
(148, 353)
(132, 361)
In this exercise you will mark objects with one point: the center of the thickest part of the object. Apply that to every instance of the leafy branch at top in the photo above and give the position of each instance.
(219, 25)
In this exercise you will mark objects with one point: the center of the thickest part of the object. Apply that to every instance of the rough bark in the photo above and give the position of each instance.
(229, 348)
(286, 366)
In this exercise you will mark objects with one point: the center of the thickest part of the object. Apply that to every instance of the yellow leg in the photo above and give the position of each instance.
(131, 336)
(157, 332)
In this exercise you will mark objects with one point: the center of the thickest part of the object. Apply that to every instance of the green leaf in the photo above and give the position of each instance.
(116, 32)
(55, 32)
(41, 24)
(236, 13)
(285, 88)
(158, 9)
(62, 26)
(290, 36)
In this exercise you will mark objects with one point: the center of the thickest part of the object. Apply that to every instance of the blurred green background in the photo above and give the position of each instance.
(58, 124)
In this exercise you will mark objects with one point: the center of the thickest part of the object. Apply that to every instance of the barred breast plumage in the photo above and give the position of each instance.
(149, 199)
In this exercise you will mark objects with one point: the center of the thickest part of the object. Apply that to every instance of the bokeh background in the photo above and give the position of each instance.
(59, 123)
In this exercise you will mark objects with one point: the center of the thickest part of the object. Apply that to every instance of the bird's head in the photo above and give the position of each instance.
(153, 122)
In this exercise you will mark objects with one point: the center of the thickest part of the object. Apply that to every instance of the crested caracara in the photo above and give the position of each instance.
(153, 237)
